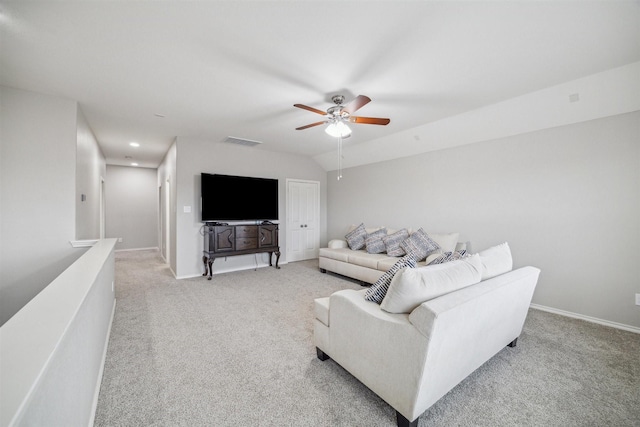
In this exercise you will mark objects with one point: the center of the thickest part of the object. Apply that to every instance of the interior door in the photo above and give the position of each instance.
(303, 219)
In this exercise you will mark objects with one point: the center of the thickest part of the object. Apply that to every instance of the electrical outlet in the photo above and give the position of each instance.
(637, 299)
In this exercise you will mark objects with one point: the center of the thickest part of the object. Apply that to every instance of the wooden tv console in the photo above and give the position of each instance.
(223, 240)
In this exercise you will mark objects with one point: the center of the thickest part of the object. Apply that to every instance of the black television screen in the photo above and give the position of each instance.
(236, 198)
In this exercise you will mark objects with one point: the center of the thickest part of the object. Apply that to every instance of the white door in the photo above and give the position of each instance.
(303, 219)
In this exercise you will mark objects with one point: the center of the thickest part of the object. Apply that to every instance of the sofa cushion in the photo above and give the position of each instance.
(446, 241)
(496, 260)
(373, 242)
(355, 238)
(365, 259)
(392, 242)
(378, 290)
(321, 310)
(386, 263)
(339, 254)
(411, 287)
(419, 244)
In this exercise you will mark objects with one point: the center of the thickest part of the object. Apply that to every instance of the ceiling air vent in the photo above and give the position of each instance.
(241, 141)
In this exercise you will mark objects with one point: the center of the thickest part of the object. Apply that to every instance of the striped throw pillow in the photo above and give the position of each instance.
(378, 290)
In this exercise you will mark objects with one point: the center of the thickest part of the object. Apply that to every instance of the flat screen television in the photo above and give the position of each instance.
(238, 198)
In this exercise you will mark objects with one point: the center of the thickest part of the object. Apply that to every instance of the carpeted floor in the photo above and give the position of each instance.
(238, 351)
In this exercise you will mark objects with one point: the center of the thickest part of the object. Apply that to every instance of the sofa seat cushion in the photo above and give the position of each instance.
(364, 259)
(386, 263)
(339, 254)
(321, 310)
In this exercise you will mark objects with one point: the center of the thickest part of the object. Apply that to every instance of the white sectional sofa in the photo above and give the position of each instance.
(413, 359)
(368, 267)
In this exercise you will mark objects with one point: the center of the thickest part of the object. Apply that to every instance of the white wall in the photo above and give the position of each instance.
(38, 176)
(132, 206)
(90, 170)
(195, 156)
(167, 179)
(53, 349)
(567, 200)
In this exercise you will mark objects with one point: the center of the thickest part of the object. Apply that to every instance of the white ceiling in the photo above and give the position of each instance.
(235, 68)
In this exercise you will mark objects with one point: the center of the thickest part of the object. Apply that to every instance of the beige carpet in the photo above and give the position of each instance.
(238, 351)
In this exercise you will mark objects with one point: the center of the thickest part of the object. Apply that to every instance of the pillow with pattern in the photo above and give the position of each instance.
(392, 242)
(378, 290)
(420, 245)
(449, 256)
(373, 242)
(355, 238)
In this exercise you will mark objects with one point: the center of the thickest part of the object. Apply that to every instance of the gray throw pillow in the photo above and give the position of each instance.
(392, 242)
(420, 245)
(355, 238)
(374, 243)
(449, 256)
(378, 290)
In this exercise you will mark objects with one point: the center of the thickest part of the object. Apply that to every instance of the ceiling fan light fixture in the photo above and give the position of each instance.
(337, 130)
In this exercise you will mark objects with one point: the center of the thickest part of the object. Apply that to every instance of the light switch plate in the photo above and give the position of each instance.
(186, 209)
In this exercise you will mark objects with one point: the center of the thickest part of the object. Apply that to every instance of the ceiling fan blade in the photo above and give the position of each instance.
(359, 102)
(313, 110)
(369, 120)
(311, 125)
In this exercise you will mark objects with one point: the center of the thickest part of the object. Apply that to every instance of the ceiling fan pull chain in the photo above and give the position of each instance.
(339, 157)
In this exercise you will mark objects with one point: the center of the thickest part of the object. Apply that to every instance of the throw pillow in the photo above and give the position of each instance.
(496, 260)
(411, 287)
(378, 290)
(392, 242)
(373, 242)
(447, 257)
(355, 238)
(420, 245)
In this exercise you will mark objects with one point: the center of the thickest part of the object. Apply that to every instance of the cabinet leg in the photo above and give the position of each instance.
(211, 267)
(270, 255)
(277, 259)
(204, 260)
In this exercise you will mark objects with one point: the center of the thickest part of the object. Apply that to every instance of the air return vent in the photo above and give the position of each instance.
(241, 141)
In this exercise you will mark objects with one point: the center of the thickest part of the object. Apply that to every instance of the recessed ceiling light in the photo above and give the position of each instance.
(134, 164)
(134, 144)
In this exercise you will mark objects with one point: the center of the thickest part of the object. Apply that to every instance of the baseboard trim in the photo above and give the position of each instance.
(230, 270)
(96, 393)
(587, 318)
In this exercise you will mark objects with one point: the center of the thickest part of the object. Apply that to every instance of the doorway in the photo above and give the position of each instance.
(303, 219)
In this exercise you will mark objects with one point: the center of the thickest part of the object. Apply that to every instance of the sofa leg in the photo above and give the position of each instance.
(322, 355)
(322, 270)
(513, 343)
(403, 422)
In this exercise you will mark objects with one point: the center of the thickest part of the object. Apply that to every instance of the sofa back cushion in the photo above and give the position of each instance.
(496, 260)
(413, 286)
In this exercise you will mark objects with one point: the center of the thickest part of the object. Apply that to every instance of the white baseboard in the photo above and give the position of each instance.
(231, 270)
(96, 393)
(587, 318)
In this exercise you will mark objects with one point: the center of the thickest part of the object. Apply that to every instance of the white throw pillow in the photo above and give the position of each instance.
(413, 286)
(447, 241)
(496, 261)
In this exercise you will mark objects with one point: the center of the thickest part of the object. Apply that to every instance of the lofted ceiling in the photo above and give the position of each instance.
(149, 71)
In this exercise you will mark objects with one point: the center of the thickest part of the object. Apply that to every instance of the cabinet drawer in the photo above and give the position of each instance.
(246, 231)
(246, 243)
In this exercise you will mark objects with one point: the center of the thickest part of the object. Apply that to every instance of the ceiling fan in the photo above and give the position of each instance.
(338, 115)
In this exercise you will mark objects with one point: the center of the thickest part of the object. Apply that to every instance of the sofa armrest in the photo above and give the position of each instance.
(337, 244)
